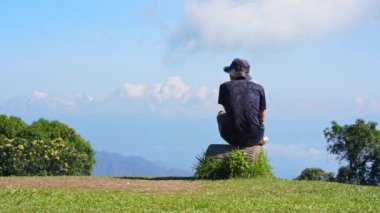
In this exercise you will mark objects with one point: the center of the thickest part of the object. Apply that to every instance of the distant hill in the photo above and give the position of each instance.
(112, 164)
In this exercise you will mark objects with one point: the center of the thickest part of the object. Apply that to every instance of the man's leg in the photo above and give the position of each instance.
(222, 121)
(223, 126)
(264, 139)
(258, 139)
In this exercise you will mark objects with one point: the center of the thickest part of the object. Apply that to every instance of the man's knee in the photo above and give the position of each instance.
(222, 118)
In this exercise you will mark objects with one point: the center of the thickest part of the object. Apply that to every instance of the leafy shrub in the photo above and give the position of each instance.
(345, 175)
(209, 168)
(316, 174)
(261, 167)
(235, 166)
(51, 149)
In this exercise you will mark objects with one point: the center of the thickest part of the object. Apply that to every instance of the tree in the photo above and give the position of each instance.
(42, 148)
(11, 126)
(358, 145)
(315, 174)
(50, 130)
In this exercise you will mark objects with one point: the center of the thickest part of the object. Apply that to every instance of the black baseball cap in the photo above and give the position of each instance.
(236, 68)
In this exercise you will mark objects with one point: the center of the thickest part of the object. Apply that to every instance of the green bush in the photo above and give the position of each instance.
(316, 174)
(42, 148)
(235, 166)
(11, 127)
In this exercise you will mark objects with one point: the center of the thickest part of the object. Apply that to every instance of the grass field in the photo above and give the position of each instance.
(101, 194)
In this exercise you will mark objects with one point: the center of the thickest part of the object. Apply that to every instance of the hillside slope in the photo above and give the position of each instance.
(102, 194)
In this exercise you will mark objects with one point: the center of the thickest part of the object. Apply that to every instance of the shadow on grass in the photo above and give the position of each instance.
(156, 178)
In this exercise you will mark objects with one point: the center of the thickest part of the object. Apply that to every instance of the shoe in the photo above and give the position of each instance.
(221, 112)
(263, 141)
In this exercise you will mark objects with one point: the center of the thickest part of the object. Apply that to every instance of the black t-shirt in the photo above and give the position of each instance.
(243, 100)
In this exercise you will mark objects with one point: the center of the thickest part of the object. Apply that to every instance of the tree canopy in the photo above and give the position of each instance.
(11, 126)
(315, 174)
(42, 148)
(358, 145)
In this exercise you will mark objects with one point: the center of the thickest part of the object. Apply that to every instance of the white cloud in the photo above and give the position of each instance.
(202, 93)
(174, 88)
(172, 95)
(253, 23)
(207, 98)
(366, 104)
(98, 98)
(133, 90)
(71, 101)
(38, 95)
(359, 102)
(295, 151)
(374, 106)
(66, 102)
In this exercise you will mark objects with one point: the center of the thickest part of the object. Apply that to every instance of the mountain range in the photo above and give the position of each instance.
(113, 164)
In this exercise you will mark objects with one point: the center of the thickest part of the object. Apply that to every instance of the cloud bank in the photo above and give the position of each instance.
(172, 95)
(174, 88)
(361, 103)
(38, 95)
(175, 96)
(133, 90)
(259, 23)
(293, 151)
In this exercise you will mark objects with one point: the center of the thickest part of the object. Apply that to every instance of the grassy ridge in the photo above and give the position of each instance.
(214, 196)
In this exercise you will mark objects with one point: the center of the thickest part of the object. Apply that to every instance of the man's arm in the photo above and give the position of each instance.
(263, 106)
(221, 100)
(262, 116)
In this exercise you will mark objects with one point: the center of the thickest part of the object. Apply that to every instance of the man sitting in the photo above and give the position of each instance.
(242, 122)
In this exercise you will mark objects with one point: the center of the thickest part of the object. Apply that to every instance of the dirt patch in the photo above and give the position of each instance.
(100, 183)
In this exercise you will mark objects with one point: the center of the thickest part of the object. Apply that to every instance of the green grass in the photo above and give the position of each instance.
(234, 166)
(236, 195)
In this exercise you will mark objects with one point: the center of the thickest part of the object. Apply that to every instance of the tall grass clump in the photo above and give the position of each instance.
(261, 167)
(234, 166)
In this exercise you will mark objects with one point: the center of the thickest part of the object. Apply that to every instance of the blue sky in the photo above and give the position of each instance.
(142, 77)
